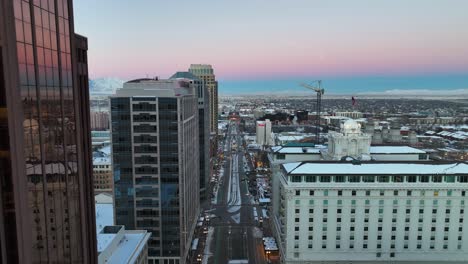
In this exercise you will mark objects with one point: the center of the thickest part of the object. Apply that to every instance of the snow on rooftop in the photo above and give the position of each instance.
(297, 150)
(103, 241)
(102, 161)
(276, 148)
(104, 215)
(291, 166)
(375, 168)
(103, 198)
(127, 247)
(106, 150)
(395, 150)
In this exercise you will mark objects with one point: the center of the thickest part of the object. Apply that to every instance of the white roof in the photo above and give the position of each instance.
(102, 161)
(126, 249)
(103, 198)
(106, 150)
(290, 138)
(296, 150)
(395, 150)
(104, 215)
(375, 168)
(103, 241)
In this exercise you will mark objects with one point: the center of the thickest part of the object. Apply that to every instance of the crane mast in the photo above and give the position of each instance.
(316, 86)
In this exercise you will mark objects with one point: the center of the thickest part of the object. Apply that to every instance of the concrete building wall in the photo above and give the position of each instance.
(396, 157)
(371, 222)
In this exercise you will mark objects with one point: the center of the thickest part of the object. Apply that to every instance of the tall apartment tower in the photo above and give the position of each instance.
(206, 73)
(46, 190)
(203, 129)
(156, 164)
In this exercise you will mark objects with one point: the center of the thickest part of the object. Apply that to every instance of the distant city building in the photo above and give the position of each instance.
(203, 128)
(375, 204)
(117, 245)
(206, 73)
(288, 137)
(46, 194)
(263, 133)
(335, 121)
(432, 120)
(156, 163)
(102, 174)
(258, 113)
(354, 114)
(100, 138)
(302, 115)
(100, 121)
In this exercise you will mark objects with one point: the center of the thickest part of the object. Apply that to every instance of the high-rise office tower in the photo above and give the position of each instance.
(154, 127)
(203, 129)
(206, 73)
(46, 194)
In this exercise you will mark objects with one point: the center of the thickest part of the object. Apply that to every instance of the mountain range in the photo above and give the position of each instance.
(104, 86)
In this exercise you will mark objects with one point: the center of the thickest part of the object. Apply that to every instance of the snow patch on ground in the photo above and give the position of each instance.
(236, 218)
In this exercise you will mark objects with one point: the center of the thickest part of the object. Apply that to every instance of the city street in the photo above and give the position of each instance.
(237, 232)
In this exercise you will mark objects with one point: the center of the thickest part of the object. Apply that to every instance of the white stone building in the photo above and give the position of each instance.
(349, 142)
(353, 114)
(346, 213)
(396, 207)
(117, 245)
(263, 133)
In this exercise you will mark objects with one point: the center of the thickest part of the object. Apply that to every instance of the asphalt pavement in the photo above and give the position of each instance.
(237, 234)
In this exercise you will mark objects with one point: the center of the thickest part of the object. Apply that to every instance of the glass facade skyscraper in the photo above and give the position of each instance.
(206, 73)
(156, 163)
(203, 129)
(47, 208)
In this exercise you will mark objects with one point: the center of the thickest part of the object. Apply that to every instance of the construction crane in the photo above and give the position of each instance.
(316, 86)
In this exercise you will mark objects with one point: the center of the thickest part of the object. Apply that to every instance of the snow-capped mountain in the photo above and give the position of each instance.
(104, 86)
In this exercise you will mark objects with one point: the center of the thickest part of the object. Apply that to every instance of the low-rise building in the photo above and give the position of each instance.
(102, 174)
(117, 245)
(353, 114)
(104, 208)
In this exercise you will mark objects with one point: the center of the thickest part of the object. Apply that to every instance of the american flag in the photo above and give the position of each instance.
(353, 100)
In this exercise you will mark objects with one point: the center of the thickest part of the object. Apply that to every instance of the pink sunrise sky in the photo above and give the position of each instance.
(260, 38)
